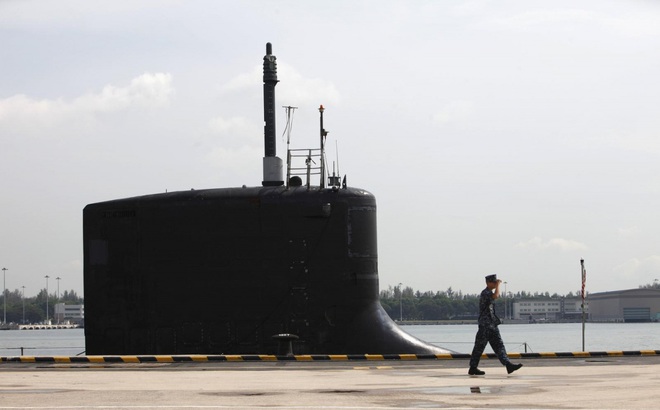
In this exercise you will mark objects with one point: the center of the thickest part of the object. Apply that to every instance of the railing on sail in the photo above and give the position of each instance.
(312, 158)
(308, 161)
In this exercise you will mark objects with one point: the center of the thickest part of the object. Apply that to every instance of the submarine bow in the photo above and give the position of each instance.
(233, 270)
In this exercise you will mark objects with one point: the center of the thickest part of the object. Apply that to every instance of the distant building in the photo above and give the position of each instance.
(72, 313)
(572, 308)
(549, 309)
(632, 305)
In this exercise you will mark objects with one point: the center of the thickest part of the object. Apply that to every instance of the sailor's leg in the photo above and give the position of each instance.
(495, 340)
(480, 342)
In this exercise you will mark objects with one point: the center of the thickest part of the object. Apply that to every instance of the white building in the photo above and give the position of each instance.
(548, 309)
(73, 313)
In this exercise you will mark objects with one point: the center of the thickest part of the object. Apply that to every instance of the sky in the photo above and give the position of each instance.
(507, 137)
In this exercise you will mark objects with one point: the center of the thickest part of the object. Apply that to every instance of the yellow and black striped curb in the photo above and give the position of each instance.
(307, 358)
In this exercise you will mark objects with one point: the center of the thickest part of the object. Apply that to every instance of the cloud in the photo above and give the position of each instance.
(629, 232)
(238, 127)
(146, 91)
(547, 17)
(630, 24)
(240, 161)
(75, 13)
(633, 140)
(244, 81)
(469, 8)
(648, 267)
(564, 245)
(299, 90)
(634, 25)
(453, 112)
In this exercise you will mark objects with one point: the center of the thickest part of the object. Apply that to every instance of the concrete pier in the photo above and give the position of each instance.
(547, 383)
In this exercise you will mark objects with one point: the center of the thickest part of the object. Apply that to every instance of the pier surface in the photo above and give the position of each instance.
(546, 383)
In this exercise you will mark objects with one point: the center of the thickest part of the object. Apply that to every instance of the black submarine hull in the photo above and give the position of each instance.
(222, 271)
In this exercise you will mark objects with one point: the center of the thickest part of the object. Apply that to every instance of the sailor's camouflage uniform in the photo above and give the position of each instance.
(488, 331)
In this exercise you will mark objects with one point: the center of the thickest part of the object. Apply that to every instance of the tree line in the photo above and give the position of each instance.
(399, 303)
(408, 304)
(33, 309)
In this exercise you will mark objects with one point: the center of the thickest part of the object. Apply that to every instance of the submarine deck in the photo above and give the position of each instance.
(604, 382)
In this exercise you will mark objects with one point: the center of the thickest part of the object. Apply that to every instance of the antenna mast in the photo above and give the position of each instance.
(272, 165)
(289, 124)
(324, 134)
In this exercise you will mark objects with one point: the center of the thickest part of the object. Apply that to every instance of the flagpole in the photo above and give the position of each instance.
(584, 280)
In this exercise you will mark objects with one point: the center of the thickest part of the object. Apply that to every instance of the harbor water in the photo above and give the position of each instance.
(547, 337)
(544, 337)
(44, 342)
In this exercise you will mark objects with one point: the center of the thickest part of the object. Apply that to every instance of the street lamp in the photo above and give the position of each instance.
(4, 297)
(23, 297)
(58, 298)
(400, 303)
(506, 302)
(46, 297)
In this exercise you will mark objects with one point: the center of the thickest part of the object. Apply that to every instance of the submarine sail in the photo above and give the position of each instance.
(227, 270)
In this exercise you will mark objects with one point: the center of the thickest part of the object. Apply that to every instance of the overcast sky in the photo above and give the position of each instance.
(508, 137)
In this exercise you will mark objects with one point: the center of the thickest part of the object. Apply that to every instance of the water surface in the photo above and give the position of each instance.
(545, 337)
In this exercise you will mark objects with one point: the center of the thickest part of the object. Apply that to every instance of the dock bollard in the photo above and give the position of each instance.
(285, 346)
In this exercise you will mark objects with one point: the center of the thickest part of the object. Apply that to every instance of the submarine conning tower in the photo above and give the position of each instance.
(272, 165)
(239, 270)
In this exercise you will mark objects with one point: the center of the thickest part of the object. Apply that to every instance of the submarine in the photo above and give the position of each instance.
(242, 270)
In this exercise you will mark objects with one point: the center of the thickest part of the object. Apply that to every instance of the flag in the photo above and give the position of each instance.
(584, 279)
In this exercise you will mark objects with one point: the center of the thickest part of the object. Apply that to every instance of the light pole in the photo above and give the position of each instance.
(46, 297)
(400, 303)
(23, 298)
(58, 297)
(4, 297)
(506, 302)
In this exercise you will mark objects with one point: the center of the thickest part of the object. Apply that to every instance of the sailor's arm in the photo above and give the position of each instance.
(496, 294)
